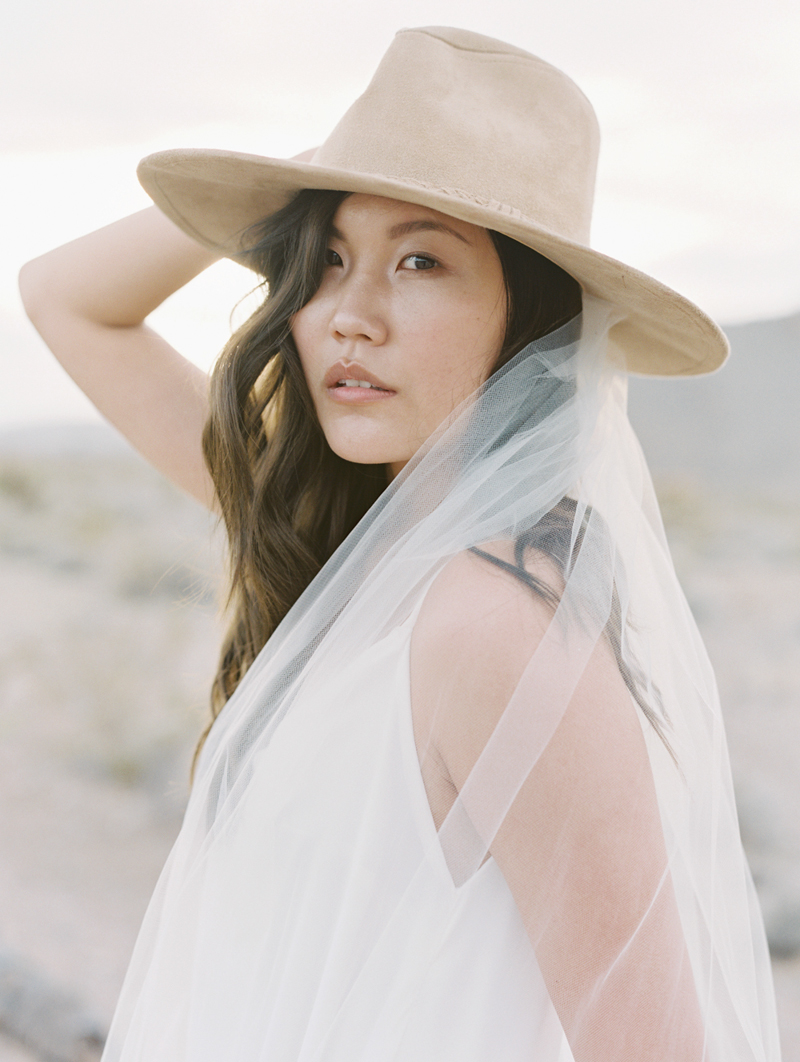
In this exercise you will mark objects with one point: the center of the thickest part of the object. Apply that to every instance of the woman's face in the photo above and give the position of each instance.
(408, 320)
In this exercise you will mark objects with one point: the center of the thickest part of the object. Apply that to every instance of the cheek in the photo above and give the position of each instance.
(452, 372)
(470, 347)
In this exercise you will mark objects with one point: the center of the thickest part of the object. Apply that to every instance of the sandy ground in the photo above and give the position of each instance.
(108, 641)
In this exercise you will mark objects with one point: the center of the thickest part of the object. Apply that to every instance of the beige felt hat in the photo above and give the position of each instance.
(479, 130)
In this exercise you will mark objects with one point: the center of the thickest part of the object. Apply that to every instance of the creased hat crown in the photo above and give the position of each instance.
(477, 119)
(476, 129)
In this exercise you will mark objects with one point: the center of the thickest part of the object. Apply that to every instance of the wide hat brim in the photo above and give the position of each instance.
(216, 196)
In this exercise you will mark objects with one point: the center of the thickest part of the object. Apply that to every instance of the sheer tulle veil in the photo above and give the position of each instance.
(536, 486)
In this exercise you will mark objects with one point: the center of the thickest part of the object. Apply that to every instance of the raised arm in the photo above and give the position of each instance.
(89, 299)
(581, 846)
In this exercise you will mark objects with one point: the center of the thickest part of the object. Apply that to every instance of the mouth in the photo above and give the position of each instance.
(359, 383)
(353, 380)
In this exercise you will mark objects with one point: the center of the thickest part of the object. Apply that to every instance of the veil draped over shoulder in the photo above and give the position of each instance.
(570, 754)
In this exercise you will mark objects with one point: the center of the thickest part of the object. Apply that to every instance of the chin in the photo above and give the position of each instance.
(362, 456)
(368, 450)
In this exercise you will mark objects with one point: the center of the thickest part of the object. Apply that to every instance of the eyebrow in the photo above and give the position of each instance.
(404, 228)
(423, 225)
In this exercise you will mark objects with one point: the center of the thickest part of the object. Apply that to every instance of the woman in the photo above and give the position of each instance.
(467, 794)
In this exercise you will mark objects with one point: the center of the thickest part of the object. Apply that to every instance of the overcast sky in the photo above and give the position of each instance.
(699, 105)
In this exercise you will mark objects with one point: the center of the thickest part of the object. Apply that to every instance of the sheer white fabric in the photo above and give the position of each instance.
(473, 800)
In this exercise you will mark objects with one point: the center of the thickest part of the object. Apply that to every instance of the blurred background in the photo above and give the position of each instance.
(110, 578)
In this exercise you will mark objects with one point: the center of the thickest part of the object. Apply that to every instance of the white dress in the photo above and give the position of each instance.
(307, 912)
(356, 945)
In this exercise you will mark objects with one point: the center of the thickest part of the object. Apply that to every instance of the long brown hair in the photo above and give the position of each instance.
(287, 500)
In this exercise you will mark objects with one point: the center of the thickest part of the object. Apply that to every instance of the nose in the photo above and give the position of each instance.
(358, 314)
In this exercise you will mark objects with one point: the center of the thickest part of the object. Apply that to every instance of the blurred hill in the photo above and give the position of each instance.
(738, 427)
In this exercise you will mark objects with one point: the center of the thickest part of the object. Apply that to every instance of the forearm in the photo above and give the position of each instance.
(89, 299)
(115, 276)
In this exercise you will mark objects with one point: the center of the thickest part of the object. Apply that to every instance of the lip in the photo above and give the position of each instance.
(353, 371)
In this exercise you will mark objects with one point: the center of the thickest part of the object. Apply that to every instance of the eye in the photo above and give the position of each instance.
(332, 258)
(419, 262)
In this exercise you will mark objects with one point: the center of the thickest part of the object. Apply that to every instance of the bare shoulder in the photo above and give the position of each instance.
(484, 596)
(478, 627)
(477, 632)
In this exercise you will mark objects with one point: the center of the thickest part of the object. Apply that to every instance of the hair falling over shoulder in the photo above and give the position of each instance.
(287, 500)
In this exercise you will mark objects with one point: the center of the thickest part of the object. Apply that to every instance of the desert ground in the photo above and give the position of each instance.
(110, 588)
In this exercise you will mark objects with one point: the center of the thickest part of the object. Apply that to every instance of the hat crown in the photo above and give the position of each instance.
(477, 129)
(481, 120)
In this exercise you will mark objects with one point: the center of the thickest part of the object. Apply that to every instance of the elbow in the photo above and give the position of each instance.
(42, 300)
(31, 289)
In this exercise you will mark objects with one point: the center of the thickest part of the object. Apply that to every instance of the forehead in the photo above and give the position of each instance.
(394, 218)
